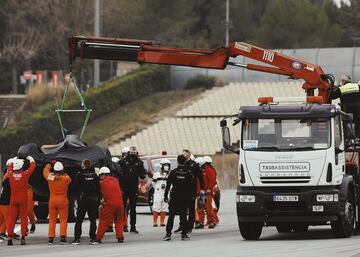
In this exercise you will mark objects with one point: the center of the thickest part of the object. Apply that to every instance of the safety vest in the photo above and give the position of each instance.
(349, 88)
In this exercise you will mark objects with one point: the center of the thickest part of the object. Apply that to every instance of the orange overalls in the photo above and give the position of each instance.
(58, 202)
(18, 200)
(209, 174)
(31, 213)
(4, 204)
(113, 208)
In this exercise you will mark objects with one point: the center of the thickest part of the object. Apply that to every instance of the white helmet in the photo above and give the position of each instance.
(11, 160)
(165, 161)
(207, 159)
(104, 170)
(125, 150)
(58, 166)
(200, 161)
(192, 157)
(18, 164)
(115, 159)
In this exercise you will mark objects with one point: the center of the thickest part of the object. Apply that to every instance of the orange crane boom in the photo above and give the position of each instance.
(148, 51)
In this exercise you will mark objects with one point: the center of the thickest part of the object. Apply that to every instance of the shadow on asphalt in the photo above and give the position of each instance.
(312, 234)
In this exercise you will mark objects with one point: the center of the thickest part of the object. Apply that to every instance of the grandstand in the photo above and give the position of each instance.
(196, 127)
(8, 106)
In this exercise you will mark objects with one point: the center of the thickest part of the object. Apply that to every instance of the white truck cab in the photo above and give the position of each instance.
(292, 169)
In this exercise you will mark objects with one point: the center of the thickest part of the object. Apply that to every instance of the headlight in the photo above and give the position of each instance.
(245, 198)
(327, 198)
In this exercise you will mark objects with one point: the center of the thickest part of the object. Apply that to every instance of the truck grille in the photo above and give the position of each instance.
(285, 206)
(285, 180)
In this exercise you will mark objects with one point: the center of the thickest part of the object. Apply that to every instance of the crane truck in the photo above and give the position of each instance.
(298, 160)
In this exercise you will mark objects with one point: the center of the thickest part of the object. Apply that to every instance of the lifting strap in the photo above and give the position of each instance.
(61, 109)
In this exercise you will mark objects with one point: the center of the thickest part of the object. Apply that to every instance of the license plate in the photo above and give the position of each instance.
(285, 198)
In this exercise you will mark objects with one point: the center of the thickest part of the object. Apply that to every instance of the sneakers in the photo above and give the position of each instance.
(109, 230)
(178, 230)
(199, 226)
(211, 225)
(10, 242)
(91, 241)
(155, 225)
(63, 240)
(185, 237)
(134, 231)
(121, 239)
(95, 242)
(126, 229)
(76, 242)
(51, 241)
(32, 228)
(3, 236)
(167, 237)
(162, 225)
(22, 241)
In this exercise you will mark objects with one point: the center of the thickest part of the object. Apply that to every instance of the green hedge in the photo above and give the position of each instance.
(42, 127)
(201, 81)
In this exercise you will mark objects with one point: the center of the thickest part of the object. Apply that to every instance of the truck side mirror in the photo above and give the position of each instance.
(226, 137)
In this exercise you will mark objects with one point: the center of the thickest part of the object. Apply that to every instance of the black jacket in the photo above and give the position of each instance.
(182, 182)
(197, 174)
(87, 185)
(5, 193)
(132, 170)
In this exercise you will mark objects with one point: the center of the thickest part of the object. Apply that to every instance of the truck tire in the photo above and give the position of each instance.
(250, 230)
(72, 210)
(300, 228)
(284, 228)
(344, 226)
(41, 212)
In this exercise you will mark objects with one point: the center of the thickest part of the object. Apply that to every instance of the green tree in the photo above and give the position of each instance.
(297, 24)
(350, 21)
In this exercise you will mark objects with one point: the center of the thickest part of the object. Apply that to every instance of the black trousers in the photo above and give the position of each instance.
(90, 206)
(191, 219)
(132, 197)
(179, 206)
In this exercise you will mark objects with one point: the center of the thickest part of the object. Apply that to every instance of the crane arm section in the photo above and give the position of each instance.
(148, 51)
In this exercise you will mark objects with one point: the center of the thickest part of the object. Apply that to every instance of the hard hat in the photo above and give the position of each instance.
(18, 164)
(207, 159)
(104, 170)
(115, 159)
(133, 150)
(192, 157)
(344, 79)
(125, 150)
(165, 161)
(58, 166)
(200, 161)
(11, 160)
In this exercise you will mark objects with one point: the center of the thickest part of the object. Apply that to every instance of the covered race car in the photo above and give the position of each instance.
(71, 151)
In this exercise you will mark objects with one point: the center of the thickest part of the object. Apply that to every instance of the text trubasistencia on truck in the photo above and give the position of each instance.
(298, 157)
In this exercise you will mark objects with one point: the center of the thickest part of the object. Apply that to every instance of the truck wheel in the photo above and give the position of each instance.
(41, 212)
(72, 209)
(250, 230)
(344, 226)
(284, 228)
(300, 228)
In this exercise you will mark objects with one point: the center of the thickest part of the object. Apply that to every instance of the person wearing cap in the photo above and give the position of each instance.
(58, 182)
(18, 179)
(209, 174)
(159, 184)
(181, 182)
(112, 207)
(4, 201)
(133, 169)
(87, 190)
(198, 180)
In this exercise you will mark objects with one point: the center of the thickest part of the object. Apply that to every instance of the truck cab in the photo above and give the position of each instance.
(292, 169)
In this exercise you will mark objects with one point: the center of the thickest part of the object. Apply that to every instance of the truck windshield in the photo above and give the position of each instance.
(285, 134)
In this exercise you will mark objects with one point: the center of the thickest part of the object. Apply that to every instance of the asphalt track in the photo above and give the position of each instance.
(223, 241)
